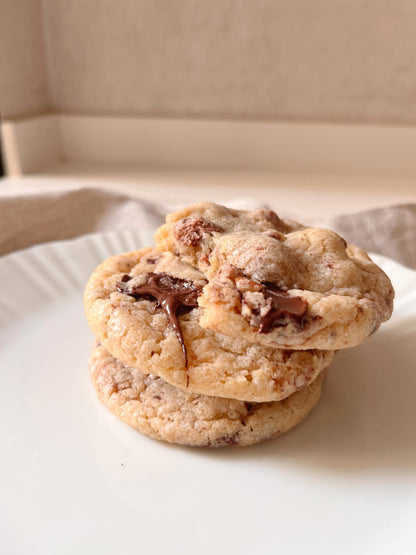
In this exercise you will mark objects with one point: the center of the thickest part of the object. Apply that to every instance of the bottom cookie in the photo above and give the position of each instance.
(162, 411)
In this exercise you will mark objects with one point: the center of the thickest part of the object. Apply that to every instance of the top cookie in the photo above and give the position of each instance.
(276, 282)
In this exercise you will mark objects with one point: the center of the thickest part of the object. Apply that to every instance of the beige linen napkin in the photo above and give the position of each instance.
(390, 231)
(29, 219)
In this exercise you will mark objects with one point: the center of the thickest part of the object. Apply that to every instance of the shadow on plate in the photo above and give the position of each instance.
(366, 419)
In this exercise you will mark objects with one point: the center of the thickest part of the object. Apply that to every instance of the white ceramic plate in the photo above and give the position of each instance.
(74, 479)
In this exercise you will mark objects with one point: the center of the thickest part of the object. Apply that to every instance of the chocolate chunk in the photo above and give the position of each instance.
(189, 231)
(153, 260)
(271, 307)
(284, 306)
(171, 295)
(229, 439)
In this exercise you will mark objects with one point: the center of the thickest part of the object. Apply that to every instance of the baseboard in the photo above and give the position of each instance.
(29, 145)
(363, 150)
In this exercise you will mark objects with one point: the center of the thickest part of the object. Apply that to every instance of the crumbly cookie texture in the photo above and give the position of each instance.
(138, 332)
(277, 283)
(162, 411)
(192, 232)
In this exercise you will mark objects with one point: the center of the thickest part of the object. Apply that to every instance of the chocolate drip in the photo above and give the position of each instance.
(283, 306)
(170, 293)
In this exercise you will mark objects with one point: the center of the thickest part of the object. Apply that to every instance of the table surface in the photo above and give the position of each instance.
(303, 195)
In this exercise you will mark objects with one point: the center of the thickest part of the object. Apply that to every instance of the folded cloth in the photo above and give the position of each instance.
(29, 219)
(390, 231)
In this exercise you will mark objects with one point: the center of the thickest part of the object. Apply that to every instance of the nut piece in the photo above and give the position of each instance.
(189, 231)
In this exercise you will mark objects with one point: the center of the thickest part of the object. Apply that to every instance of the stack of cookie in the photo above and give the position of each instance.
(221, 335)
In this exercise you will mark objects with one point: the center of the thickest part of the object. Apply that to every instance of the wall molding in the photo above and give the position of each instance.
(386, 151)
(31, 144)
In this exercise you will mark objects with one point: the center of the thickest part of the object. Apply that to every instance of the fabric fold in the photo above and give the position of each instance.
(32, 218)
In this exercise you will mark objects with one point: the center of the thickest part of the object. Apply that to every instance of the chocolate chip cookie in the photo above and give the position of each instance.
(162, 411)
(144, 308)
(275, 282)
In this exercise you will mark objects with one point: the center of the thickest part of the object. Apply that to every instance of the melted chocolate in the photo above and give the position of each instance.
(170, 293)
(278, 306)
(284, 306)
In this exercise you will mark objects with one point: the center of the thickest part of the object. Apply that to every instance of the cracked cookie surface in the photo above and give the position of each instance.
(162, 411)
(135, 329)
(276, 282)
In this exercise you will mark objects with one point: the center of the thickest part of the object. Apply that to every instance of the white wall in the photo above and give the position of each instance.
(316, 60)
(23, 78)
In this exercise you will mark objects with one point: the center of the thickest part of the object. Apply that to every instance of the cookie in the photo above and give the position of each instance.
(165, 338)
(276, 282)
(193, 232)
(162, 411)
